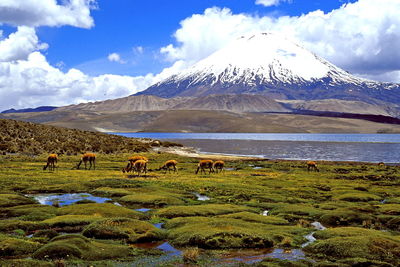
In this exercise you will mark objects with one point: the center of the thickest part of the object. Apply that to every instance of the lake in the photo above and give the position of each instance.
(336, 147)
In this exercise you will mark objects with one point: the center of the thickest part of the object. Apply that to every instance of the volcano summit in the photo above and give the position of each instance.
(267, 64)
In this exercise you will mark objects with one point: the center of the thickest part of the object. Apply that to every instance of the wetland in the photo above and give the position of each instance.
(277, 214)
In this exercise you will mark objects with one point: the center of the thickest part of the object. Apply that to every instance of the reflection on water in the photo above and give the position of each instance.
(143, 210)
(201, 197)
(66, 199)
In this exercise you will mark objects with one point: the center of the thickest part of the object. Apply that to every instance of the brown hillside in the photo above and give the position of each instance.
(31, 138)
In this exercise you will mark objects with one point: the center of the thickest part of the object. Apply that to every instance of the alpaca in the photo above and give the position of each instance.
(168, 165)
(140, 166)
(131, 161)
(205, 164)
(51, 162)
(91, 157)
(218, 165)
(312, 165)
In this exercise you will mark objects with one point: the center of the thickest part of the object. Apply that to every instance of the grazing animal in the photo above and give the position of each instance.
(140, 166)
(218, 165)
(131, 161)
(51, 162)
(312, 165)
(205, 164)
(381, 164)
(88, 157)
(168, 165)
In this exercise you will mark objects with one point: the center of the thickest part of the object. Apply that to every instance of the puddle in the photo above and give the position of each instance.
(257, 168)
(66, 199)
(143, 210)
(265, 213)
(117, 204)
(201, 197)
(383, 201)
(166, 247)
(229, 169)
(158, 225)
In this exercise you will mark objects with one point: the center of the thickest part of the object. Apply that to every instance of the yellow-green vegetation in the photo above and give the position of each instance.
(100, 209)
(10, 246)
(130, 230)
(357, 202)
(253, 217)
(154, 199)
(219, 232)
(77, 246)
(200, 210)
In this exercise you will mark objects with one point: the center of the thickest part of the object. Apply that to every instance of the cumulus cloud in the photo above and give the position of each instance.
(20, 44)
(115, 57)
(270, 2)
(34, 82)
(35, 13)
(361, 37)
(138, 50)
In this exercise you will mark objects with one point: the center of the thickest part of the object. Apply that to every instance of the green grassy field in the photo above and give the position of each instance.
(358, 203)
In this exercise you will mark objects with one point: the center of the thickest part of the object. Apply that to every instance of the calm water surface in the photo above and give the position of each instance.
(340, 147)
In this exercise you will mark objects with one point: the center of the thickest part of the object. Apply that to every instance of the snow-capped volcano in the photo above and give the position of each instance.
(268, 64)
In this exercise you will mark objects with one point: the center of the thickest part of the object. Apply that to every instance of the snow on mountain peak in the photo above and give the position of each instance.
(267, 56)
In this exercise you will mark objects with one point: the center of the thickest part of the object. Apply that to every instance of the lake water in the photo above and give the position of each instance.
(338, 147)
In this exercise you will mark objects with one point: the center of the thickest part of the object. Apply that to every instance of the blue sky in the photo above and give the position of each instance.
(121, 25)
(60, 52)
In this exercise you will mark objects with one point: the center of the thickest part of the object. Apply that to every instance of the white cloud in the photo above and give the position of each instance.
(361, 37)
(115, 57)
(20, 44)
(270, 2)
(35, 13)
(34, 82)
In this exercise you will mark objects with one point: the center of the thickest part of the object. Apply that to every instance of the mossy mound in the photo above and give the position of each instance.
(394, 200)
(130, 230)
(9, 200)
(12, 224)
(221, 233)
(348, 231)
(345, 216)
(35, 212)
(390, 209)
(365, 247)
(111, 192)
(100, 209)
(295, 211)
(200, 210)
(358, 197)
(253, 217)
(72, 220)
(16, 247)
(158, 200)
(47, 233)
(77, 246)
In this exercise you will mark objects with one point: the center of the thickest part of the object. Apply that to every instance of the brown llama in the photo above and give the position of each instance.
(87, 157)
(168, 165)
(218, 165)
(131, 161)
(51, 162)
(312, 166)
(140, 166)
(205, 164)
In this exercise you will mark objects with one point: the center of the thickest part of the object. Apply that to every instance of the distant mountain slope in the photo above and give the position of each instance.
(235, 103)
(38, 109)
(267, 64)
